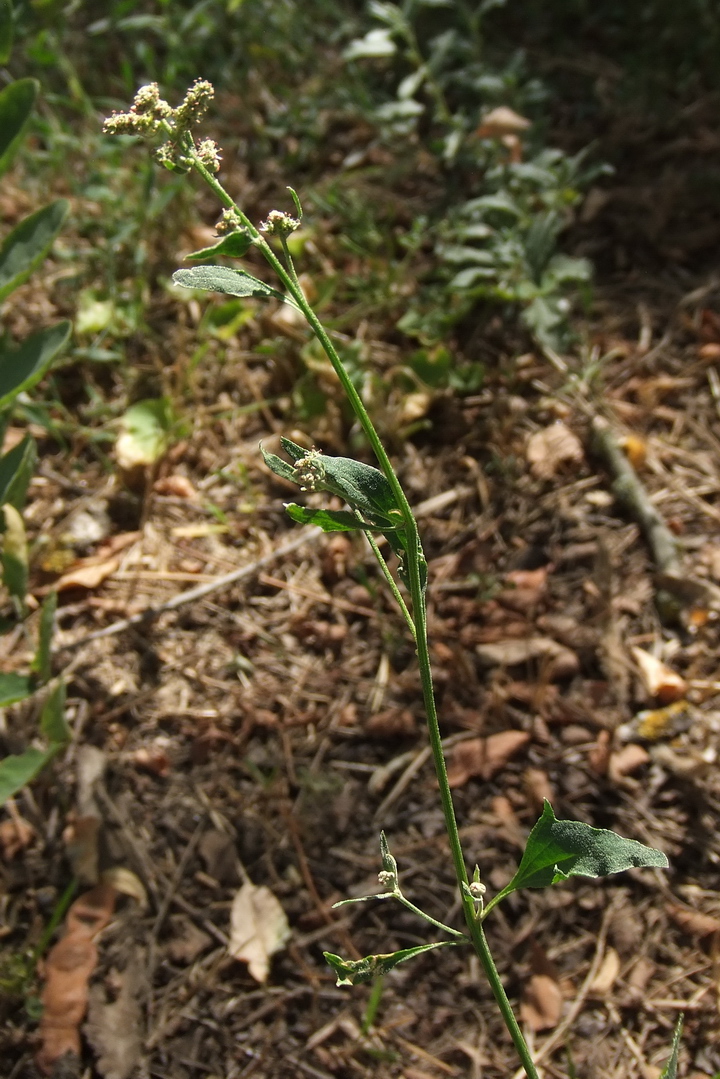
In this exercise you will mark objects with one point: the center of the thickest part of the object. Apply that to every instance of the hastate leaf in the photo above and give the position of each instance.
(357, 971)
(227, 281)
(22, 367)
(19, 770)
(234, 246)
(15, 687)
(558, 849)
(26, 246)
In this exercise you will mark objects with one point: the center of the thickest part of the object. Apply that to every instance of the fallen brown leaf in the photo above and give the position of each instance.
(626, 761)
(175, 485)
(561, 661)
(541, 1004)
(484, 757)
(550, 448)
(258, 928)
(694, 921)
(662, 683)
(87, 573)
(607, 975)
(68, 968)
(115, 1028)
(15, 835)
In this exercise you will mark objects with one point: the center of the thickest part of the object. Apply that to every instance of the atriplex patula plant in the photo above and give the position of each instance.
(556, 849)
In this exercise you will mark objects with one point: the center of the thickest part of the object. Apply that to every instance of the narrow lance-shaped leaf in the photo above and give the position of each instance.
(27, 245)
(15, 554)
(559, 849)
(16, 105)
(6, 30)
(670, 1069)
(41, 662)
(22, 367)
(52, 718)
(355, 972)
(16, 469)
(227, 281)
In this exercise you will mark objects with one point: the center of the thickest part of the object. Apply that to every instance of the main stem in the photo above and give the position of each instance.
(419, 612)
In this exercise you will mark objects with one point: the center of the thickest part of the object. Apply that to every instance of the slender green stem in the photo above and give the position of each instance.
(429, 918)
(414, 565)
(391, 582)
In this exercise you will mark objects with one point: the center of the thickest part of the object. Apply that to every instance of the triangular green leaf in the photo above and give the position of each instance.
(19, 770)
(28, 243)
(670, 1069)
(15, 687)
(355, 972)
(228, 281)
(16, 469)
(278, 466)
(16, 105)
(234, 246)
(52, 718)
(328, 520)
(22, 367)
(294, 452)
(6, 30)
(41, 664)
(558, 849)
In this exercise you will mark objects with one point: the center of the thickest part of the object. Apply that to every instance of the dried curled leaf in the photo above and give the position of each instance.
(258, 928)
(68, 968)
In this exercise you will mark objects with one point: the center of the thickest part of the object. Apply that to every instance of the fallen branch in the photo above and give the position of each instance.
(202, 590)
(631, 494)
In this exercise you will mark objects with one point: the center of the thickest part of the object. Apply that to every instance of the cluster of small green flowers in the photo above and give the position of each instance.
(310, 470)
(230, 221)
(279, 223)
(151, 115)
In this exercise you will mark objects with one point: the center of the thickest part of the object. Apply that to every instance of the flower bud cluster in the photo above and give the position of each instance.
(230, 221)
(150, 115)
(278, 223)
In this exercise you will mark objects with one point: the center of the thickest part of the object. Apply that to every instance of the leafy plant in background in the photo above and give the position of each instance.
(21, 367)
(377, 506)
(502, 243)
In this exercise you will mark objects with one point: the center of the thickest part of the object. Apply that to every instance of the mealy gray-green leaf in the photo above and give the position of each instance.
(558, 849)
(357, 971)
(22, 367)
(227, 281)
(16, 106)
(278, 466)
(234, 246)
(27, 245)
